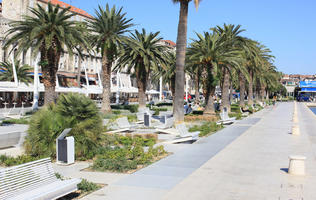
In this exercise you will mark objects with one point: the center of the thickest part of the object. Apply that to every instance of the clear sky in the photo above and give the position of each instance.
(287, 27)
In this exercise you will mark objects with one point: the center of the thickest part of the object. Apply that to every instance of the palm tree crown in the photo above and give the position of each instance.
(143, 53)
(48, 32)
(21, 70)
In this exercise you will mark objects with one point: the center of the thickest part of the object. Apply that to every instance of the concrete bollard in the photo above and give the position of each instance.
(297, 165)
(295, 130)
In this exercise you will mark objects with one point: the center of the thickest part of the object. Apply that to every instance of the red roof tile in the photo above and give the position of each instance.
(66, 5)
(170, 42)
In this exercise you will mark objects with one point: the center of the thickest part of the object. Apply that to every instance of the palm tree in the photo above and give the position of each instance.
(48, 32)
(180, 58)
(232, 38)
(143, 53)
(22, 72)
(108, 28)
(211, 53)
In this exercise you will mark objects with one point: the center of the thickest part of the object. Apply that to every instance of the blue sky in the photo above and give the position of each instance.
(287, 27)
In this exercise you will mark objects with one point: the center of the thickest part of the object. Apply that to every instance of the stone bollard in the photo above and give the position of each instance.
(297, 165)
(295, 130)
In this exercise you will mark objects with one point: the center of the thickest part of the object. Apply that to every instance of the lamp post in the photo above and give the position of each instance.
(36, 81)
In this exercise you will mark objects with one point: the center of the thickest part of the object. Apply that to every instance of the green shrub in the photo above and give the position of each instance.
(8, 161)
(157, 110)
(116, 112)
(132, 108)
(238, 115)
(74, 111)
(86, 186)
(127, 157)
(197, 112)
(15, 121)
(164, 104)
(206, 129)
(132, 118)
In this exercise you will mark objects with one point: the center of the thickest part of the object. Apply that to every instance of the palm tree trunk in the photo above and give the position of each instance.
(180, 62)
(106, 83)
(250, 88)
(142, 78)
(49, 71)
(197, 86)
(173, 85)
(262, 93)
(209, 102)
(225, 90)
(242, 87)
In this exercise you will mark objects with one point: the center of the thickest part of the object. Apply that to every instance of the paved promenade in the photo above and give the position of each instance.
(254, 166)
(157, 180)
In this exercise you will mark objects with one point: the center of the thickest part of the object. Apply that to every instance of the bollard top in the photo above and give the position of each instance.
(297, 157)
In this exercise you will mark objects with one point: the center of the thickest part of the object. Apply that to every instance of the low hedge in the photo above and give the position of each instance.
(164, 104)
(132, 108)
(206, 129)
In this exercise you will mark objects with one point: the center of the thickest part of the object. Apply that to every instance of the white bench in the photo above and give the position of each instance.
(34, 181)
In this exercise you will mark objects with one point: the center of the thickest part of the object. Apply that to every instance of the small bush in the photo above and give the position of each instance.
(116, 112)
(132, 108)
(157, 110)
(15, 121)
(238, 115)
(127, 153)
(164, 104)
(87, 187)
(206, 128)
(8, 161)
(74, 111)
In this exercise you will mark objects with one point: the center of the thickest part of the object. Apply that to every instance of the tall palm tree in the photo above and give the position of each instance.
(22, 72)
(48, 32)
(180, 58)
(211, 53)
(107, 31)
(143, 53)
(232, 38)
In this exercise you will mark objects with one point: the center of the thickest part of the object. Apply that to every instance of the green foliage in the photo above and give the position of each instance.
(132, 118)
(197, 112)
(206, 129)
(116, 112)
(15, 121)
(132, 108)
(164, 104)
(8, 161)
(22, 72)
(87, 187)
(74, 111)
(238, 115)
(157, 110)
(127, 154)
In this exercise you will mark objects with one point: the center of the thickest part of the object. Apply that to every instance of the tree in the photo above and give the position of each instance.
(107, 31)
(180, 58)
(48, 32)
(22, 72)
(143, 53)
(210, 52)
(231, 36)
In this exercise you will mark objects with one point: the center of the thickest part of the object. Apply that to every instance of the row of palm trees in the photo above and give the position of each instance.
(220, 56)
